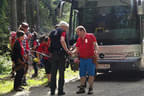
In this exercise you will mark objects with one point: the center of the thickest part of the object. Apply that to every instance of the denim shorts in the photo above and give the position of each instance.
(87, 67)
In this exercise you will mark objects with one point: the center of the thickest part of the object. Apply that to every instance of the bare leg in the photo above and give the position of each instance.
(49, 77)
(83, 80)
(90, 81)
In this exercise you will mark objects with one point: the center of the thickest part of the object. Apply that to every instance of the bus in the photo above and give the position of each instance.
(117, 25)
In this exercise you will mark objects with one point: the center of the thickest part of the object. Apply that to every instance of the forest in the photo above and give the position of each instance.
(42, 15)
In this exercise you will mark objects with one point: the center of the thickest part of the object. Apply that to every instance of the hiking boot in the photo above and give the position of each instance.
(90, 91)
(61, 93)
(52, 93)
(81, 90)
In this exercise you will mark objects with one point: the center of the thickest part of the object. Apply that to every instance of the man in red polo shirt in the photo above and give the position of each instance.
(86, 46)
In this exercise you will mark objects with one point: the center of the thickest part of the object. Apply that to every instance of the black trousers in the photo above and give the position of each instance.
(35, 66)
(18, 78)
(57, 63)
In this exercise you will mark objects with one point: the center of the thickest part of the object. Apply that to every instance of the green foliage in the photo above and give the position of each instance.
(48, 15)
(48, 19)
(7, 85)
(5, 63)
(3, 23)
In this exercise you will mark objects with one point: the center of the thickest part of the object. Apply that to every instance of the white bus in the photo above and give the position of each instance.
(117, 25)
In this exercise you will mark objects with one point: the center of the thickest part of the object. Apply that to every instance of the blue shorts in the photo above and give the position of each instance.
(87, 67)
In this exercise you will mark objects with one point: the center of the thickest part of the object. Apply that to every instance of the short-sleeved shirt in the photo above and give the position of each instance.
(63, 34)
(43, 48)
(86, 45)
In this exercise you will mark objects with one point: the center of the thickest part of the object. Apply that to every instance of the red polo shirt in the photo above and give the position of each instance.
(86, 45)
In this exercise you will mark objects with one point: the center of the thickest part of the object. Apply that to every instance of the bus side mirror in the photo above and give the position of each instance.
(140, 7)
(59, 9)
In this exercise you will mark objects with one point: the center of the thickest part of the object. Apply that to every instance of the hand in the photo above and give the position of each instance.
(76, 60)
(69, 52)
(95, 52)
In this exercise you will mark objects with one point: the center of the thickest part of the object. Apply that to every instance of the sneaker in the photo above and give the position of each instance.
(61, 93)
(90, 91)
(81, 90)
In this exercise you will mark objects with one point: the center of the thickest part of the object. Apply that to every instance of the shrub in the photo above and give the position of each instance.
(5, 63)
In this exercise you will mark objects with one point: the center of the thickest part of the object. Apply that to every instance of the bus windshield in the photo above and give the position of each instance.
(112, 25)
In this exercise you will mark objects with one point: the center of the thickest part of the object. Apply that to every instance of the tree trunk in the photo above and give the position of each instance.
(24, 10)
(13, 15)
(19, 8)
(30, 12)
(37, 16)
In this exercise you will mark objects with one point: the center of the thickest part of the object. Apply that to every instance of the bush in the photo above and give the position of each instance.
(5, 63)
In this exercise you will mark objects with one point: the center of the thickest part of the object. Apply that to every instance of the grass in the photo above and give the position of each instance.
(6, 84)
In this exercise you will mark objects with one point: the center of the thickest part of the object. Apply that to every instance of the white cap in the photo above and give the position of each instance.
(25, 23)
(63, 23)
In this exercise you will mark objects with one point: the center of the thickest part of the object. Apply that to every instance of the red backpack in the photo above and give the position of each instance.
(12, 38)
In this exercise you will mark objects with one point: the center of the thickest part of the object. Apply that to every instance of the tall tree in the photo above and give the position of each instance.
(30, 12)
(19, 12)
(13, 15)
(24, 15)
(4, 24)
(37, 16)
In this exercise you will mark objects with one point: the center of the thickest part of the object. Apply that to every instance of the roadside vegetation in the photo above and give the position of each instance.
(6, 83)
(11, 18)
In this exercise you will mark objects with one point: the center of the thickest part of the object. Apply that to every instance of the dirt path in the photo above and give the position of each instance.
(37, 90)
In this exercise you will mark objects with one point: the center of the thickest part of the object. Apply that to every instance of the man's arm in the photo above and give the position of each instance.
(63, 43)
(75, 51)
(96, 47)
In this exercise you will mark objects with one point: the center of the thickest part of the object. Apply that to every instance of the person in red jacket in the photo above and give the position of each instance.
(12, 40)
(43, 48)
(34, 45)
(24, 27)
(18, 57)
(86, 47)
